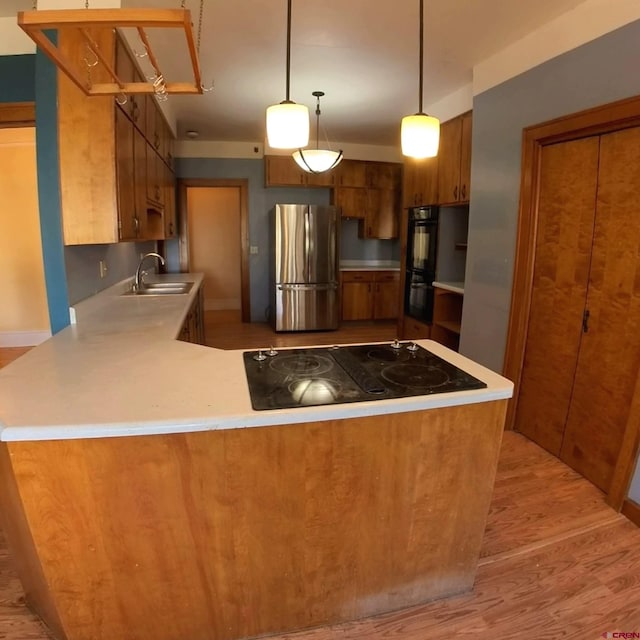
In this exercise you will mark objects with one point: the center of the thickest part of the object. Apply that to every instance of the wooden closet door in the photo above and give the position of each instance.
(567, 194)
(610, 350)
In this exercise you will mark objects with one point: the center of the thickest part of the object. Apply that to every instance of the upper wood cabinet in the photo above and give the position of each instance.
(108, 169)
(454, 160)
(381, 215)
(383, 175)
(282, 171)
(420, 182)
(351, 173)
(351, 200)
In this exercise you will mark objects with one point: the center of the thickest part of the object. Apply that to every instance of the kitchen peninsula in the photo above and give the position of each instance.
(143, 498)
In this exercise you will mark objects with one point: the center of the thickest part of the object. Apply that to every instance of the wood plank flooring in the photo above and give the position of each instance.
(556, 561)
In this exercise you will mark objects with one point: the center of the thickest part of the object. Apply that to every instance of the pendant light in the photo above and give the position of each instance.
(288, 122)
(317, 160)
(420, 133)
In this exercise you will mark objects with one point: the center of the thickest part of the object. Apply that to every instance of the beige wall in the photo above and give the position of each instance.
(214, 243)
(23, 300)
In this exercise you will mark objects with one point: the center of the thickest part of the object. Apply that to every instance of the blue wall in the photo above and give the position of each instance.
(18, 78)
(596, 73)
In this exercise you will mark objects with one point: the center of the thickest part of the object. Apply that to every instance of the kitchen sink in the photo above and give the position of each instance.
(161, 289)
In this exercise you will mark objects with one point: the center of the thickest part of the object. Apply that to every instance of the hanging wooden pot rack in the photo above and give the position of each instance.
(85, 21)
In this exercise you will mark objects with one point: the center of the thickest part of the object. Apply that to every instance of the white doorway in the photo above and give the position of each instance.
(214, 241)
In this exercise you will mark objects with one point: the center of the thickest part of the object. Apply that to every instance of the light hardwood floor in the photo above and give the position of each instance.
(556, 561)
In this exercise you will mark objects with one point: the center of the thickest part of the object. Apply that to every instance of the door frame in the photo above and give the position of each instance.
(183, 184)
(604, 119)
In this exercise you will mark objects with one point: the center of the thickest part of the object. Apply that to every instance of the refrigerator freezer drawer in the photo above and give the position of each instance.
(306, 307)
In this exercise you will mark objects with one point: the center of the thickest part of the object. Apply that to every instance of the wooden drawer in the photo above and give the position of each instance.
(386, 276)
(357, 276)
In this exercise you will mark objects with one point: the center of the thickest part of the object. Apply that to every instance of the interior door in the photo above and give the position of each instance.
(567, 193)
(609, 354)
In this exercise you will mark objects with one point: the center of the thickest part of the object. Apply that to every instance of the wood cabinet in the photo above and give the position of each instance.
(582, 348)
(383, 175)
(108, 168)
(454, 160)
(420, 182)
(413, 329)
(351, 173)
(193, 327)
(447, 317)
(352, 202)
(370, 295)
(381, 214)
(282, 171)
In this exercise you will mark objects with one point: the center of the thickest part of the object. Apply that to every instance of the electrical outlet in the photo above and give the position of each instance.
(253, 250)
(103, 269)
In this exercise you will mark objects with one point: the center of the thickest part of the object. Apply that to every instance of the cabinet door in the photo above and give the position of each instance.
(357, 300)
(449, 161)
(609, 356)
(415, 330)
(383, 175)
(127, 221)
(351, 173)
(140, 147)
(386, 296)
(568, 181)
(155, 177)
(465, 158)
(169, 212)
(326, 179)
(420, 184)
(283, 171)
(381, 217)
(352, 202)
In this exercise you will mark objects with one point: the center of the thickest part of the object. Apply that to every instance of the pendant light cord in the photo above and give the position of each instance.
(288, 49)
(421, 55)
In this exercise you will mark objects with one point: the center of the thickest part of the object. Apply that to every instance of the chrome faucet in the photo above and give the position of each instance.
(138, 282)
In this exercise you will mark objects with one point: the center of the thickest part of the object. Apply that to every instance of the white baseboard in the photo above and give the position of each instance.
(23, 338)
(222, 304)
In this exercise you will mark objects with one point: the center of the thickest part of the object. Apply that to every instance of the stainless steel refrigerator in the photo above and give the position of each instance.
(304, 269)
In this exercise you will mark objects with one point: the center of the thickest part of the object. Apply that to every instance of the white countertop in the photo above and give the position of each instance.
(369, 265)
(120, 372)
(456, 287)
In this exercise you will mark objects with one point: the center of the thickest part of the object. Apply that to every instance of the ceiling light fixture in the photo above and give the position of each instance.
(420, 133)
(288, 122)
(317, 160)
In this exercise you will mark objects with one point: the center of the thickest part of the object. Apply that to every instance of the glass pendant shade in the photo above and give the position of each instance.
(420, 136)
(287, 125)
(317, 160)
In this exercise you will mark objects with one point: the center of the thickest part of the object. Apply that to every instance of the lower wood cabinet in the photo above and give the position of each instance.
(447, 317)
(370, 295)
(414, 330)
(193, 327)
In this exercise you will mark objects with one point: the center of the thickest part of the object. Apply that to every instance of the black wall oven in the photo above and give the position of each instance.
(422, 249)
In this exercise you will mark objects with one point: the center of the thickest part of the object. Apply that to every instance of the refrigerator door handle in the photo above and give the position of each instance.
(308, 287)
(307, 247)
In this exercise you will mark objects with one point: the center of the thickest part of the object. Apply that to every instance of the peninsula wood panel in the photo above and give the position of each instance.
(238, 533)
(568, 181)
(609, 355)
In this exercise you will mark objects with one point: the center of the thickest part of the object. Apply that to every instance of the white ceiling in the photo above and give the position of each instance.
(362, 53)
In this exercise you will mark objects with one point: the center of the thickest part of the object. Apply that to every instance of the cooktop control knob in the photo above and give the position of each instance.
(413, 347)
(272, 352)
(396, 344)
(260, 356)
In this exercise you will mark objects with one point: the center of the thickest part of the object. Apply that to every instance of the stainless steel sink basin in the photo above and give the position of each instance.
(162, 289)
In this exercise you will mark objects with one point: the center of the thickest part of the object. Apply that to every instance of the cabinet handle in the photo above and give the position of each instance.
(136, 225)
(464, 191)
(455, 192)
(171, 228)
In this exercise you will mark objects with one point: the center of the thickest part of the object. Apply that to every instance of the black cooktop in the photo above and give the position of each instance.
(329, 375)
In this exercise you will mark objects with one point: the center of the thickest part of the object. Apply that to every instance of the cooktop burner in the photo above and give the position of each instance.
(328, 375)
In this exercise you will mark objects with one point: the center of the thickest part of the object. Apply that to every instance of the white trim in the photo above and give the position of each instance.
(23, 338)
